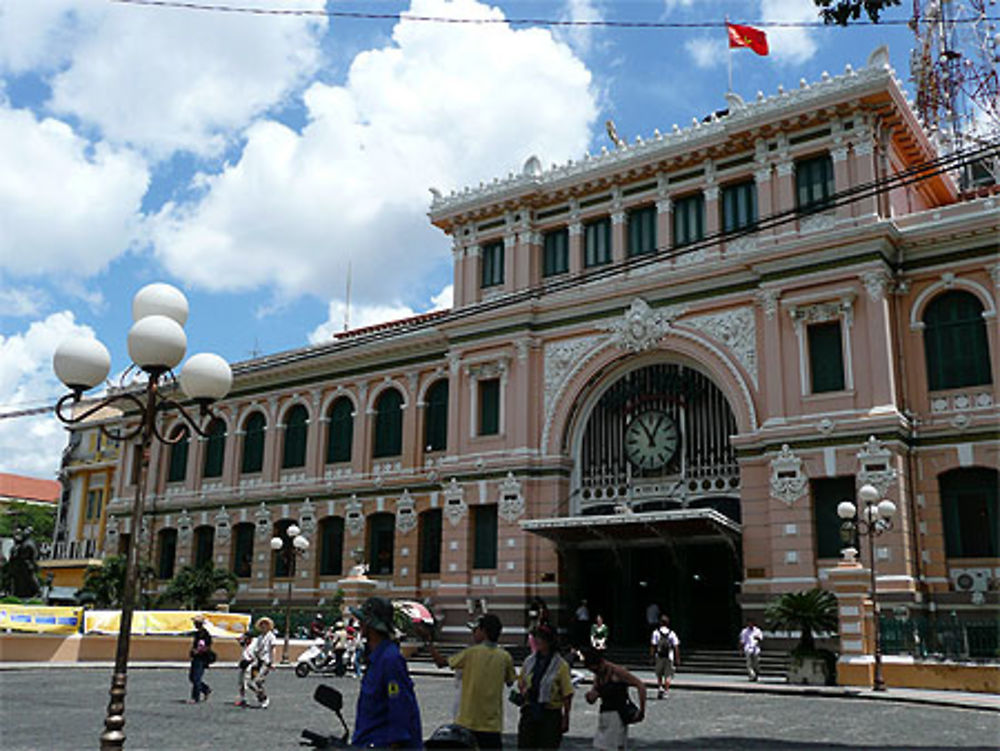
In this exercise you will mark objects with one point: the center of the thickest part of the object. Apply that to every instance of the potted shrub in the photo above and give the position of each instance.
(811, 611)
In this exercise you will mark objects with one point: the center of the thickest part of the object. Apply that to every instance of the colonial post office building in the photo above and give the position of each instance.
(666, 365)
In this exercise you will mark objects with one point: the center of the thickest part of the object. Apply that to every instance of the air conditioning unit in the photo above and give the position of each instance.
(971, 579)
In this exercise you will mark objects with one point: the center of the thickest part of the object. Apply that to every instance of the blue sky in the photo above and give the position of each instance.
(249, 159)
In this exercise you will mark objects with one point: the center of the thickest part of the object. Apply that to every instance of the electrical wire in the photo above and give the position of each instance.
(521, 21)
(914, 174)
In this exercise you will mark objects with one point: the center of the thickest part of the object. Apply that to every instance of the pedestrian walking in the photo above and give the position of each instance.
(581, 625)
(202, 656)
(485, 669)
(611, 686)
(262, 656)
(544, 693)
(750, 639)
(599, 634)
(665, 647)
(387, 714)
(247, 673)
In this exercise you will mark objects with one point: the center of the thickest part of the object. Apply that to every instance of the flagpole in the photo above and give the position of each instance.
(729, 49)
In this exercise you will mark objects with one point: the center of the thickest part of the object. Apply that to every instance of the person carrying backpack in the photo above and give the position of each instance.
(665, 650)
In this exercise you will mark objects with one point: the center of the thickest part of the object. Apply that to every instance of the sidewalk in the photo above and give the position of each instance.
(682, 682)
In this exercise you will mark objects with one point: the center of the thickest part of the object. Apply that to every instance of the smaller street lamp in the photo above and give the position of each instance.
(289, 547)
(875, 519)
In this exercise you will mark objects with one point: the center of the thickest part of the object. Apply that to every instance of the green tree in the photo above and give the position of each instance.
(193, 587)
(41, 519)
(104, 583)
(842, 12)
(810, 611)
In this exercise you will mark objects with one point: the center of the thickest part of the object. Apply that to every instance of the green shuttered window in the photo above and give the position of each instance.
(430, 542)
(826, 357)
(485, 541)
(555, 254)
(388, 424)
(243, 549)
(642, 231)
(689, 220)
(253, 444)
(296, 431)
(204, 542)
(827, 492)
(814, 183)
(597, 243)
(168, 553)
(340, 431)
(381, 537)
(492, 269)
(331, 550)
(215, 449)
(739, 206)
(955, 342)
(177, 468)
(969, 510)
(489, 406)
(436, 417)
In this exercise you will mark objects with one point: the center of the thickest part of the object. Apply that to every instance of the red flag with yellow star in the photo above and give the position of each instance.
(747, 36)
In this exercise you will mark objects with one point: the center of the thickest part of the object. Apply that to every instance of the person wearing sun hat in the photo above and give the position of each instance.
(201, 656)
(387, 714)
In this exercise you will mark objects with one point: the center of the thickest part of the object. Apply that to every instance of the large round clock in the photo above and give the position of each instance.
(651, 439)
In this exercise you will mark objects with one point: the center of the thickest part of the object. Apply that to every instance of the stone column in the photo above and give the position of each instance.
(473, 277)
(272, 440)
(361, 446)
(882, 374)
(510, 253)
(575, 229)
(712, 212)
(618, 227)
(841, 179)
(850, 581)
(773, 379)
(314, 436)
(458, 270)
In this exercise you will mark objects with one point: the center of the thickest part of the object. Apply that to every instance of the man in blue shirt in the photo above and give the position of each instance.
(387, 712)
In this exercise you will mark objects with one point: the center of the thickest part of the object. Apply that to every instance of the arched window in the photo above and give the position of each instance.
(296, 430)
(215, 449)
(278, 557)
(436, 417)
(389, 424)
(204, 543)
(381, 538)
(340, 431)
(969, 510)
(243, 549)
(177, 466)
(955, 343)
(253, 444)
(331, 542)
(168, 553)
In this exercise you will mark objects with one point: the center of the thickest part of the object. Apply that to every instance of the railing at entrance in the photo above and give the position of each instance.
(943, 637)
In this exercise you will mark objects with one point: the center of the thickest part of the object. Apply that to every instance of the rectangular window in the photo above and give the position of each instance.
(380, 543)
(484, 552)
(642, 231)
(597, 243)
(689, 220)
(826, 357)
(739, 206)
(430, 542)
(814, 183)
(489, 406)
(555, 258)
(95, 499)
(177, 467)
(204, 541)
(827, 492)
(168, 552)
(331, 546)
(243, 550)
(492, 258)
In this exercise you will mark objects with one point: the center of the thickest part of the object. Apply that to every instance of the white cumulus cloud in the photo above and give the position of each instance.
(791, 45)
(707, 52)
(33, 445)
(64, 202)
(439, 105)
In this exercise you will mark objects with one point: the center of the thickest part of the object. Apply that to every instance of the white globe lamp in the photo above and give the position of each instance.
(886, 509)
(156, 342)
(846, 510)
(293, 530)
(300, 543)
(206, 377)
(159, 299)
(81, 363)
(868, 493)
(276, 543)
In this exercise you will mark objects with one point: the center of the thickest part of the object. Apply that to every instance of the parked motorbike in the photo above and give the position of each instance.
(319, 659)
(446, 736)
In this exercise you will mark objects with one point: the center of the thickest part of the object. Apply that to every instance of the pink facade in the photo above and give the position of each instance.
(667, 426)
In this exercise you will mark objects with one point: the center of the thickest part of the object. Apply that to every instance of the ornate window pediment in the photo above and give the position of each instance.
(354, 519)
(511, 503)
(455, 507)
(307, 517)
(406, 513)
(223, 525)
(876, 468)
(262, 518)
(185, 526)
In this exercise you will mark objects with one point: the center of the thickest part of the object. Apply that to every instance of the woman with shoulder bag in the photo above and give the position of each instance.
(201, 657)
(617, 712)
(544, 693)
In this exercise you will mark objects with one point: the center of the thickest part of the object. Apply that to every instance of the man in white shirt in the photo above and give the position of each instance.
(750, 639)
(666, 653)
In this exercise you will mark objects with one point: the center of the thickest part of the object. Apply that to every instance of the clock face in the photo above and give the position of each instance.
(651, 439)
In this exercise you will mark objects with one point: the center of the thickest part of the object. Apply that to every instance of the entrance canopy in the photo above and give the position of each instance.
(637, 528)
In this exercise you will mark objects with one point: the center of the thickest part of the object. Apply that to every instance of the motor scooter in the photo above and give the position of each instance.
(319, 659)
(445, 737)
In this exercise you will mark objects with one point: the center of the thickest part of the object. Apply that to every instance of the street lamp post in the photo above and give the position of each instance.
(875, 519)
(156, 345)
(288, 548)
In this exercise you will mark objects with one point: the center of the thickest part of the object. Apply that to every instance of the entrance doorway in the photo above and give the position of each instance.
(695, 584)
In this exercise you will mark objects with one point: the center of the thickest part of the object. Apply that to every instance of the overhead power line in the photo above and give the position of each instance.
(513, 21)
(914, 174)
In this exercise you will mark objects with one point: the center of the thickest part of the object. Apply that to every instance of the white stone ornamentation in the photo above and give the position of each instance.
(876, 468)
(560, 357)
(788, 480)
(455, 507)
(511, 502)
(223, 525)
(817, 223)
(768, 301)
(876, 283)
(307, 517)
(262, 518)
(736, 330)
(406, 514)
(641, 327)
(354, 517)
(185, 526)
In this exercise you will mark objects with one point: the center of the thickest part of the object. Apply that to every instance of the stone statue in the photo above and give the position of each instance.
(360, 569)
(23, 565)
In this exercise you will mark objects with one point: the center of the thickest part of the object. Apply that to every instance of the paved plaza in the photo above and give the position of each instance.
(64, 709)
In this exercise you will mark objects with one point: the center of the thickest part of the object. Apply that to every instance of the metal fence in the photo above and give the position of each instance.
(941, 637)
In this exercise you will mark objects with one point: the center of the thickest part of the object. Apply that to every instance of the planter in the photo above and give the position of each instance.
(810, 670)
